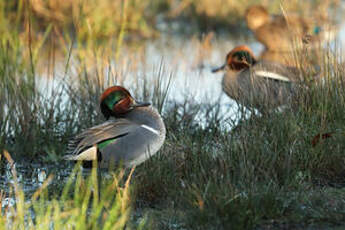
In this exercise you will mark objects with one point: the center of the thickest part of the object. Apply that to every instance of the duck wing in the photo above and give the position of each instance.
(276, 72)
(108, 130)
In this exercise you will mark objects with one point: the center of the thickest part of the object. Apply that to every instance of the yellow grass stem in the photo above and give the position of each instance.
(122, 29)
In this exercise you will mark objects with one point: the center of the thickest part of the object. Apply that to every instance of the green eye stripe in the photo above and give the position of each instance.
(113, 98)
(244, 55)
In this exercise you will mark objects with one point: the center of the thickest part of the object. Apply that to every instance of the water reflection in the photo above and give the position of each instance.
(31, 176)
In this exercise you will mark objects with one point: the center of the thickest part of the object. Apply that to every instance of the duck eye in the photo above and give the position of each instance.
(240, 57)
(246, 57)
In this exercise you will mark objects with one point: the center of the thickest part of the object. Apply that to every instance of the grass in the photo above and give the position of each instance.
(265, 174)
(269, 172)
(80, 205)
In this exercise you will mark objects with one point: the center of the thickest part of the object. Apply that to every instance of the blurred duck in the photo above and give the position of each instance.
(285, 58)
(287, 32)
(136, 133)
(309, 59)
(257, 84)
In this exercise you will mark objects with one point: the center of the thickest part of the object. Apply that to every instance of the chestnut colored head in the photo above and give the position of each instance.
(117, 101)
(239, 58)
(256, 16)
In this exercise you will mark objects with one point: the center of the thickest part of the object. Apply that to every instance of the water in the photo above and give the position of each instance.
(188, 60)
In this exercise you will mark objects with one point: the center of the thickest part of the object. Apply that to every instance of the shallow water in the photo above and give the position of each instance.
(188, 60)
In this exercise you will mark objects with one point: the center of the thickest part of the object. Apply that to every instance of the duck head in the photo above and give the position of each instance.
(256, 16)
(239, 58)
(117, 101)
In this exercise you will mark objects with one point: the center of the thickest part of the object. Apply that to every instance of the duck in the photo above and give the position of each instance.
(132, 133)
(261, 85)
(285, 58)
(287, 32)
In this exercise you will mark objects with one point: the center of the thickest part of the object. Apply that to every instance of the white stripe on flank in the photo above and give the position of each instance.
(271, 75)
(150, 129)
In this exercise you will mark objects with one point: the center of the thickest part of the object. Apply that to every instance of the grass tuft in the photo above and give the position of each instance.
(85, 203)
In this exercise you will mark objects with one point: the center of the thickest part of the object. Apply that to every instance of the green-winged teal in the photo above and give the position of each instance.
(285, 58)
(287, 32)
(134, 132)
(257, 84)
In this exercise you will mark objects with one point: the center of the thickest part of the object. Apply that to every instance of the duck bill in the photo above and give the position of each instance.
(215, 70)
(140, 104)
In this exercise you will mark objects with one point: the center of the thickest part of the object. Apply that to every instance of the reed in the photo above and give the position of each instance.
(84, 203)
